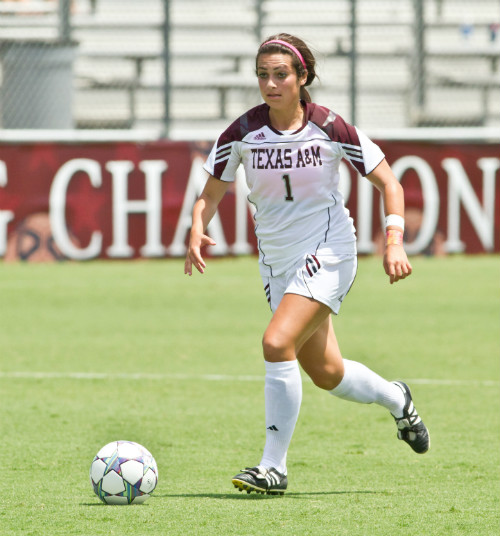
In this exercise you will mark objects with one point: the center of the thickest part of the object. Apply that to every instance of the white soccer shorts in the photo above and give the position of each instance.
(324, 278)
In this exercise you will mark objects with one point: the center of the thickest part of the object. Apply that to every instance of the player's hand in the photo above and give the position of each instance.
(193, 256)
(396, 263)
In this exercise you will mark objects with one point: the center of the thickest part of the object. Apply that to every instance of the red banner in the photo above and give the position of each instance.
(127, 200)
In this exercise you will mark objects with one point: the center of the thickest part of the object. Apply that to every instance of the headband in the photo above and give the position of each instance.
(291, 47)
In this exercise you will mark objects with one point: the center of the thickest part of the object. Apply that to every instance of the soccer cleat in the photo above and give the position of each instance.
(411, 429)
(261, 480)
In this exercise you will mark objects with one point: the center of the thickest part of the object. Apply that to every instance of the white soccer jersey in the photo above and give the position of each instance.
(293, 180)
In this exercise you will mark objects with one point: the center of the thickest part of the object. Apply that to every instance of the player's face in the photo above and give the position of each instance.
(278, 81)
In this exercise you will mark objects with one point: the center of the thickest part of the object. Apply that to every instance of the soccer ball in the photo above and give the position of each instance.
(123, 472)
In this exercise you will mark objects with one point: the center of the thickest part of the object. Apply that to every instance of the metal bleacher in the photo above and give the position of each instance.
(119, 70)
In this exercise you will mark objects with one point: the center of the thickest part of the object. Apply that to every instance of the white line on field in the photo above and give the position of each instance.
(126, 376)
(204, 377)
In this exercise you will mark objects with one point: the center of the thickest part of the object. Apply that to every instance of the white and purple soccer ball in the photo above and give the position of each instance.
(123, 472)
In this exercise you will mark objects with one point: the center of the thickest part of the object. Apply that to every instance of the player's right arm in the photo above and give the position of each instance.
(203, 211)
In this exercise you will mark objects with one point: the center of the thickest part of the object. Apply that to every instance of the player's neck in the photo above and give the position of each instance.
(289, 119)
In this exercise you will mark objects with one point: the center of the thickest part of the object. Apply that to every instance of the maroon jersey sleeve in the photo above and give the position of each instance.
(356, 147)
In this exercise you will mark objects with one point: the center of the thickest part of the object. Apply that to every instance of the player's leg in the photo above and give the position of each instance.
(320, 357)
(295, 319)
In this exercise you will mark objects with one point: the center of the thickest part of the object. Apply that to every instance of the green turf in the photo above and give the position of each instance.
(198, 405)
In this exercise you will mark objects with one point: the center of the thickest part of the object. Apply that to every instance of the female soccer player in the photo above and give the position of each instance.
(290, 149)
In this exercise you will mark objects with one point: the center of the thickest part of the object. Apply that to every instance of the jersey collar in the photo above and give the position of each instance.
(305, 119)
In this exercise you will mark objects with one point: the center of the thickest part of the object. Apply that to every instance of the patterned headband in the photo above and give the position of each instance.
(291, 47)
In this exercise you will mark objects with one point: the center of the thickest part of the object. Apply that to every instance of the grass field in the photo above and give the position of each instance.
(93, 352)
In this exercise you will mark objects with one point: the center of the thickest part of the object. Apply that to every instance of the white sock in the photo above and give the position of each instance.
(360, 384)
(283, 394)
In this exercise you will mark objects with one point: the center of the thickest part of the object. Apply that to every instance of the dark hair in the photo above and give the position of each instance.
(305, 52)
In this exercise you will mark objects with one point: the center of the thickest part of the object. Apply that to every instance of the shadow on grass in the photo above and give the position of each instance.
(258, 496)
(249, 496)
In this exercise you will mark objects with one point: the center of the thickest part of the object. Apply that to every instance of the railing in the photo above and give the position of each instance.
(153, 69)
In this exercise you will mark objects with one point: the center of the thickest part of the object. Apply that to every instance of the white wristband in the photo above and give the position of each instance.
(394, 219)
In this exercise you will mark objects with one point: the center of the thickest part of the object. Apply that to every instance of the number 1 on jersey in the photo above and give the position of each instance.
(288, 186)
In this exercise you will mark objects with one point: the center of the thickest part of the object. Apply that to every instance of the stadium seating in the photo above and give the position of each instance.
(119, 71)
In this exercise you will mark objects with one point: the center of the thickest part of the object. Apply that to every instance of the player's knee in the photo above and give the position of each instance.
(275, 348)
(326, 377)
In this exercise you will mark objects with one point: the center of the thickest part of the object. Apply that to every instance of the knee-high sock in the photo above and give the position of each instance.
(360, 384)
(283, 395)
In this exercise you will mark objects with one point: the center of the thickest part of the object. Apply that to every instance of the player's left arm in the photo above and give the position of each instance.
(396, 262)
